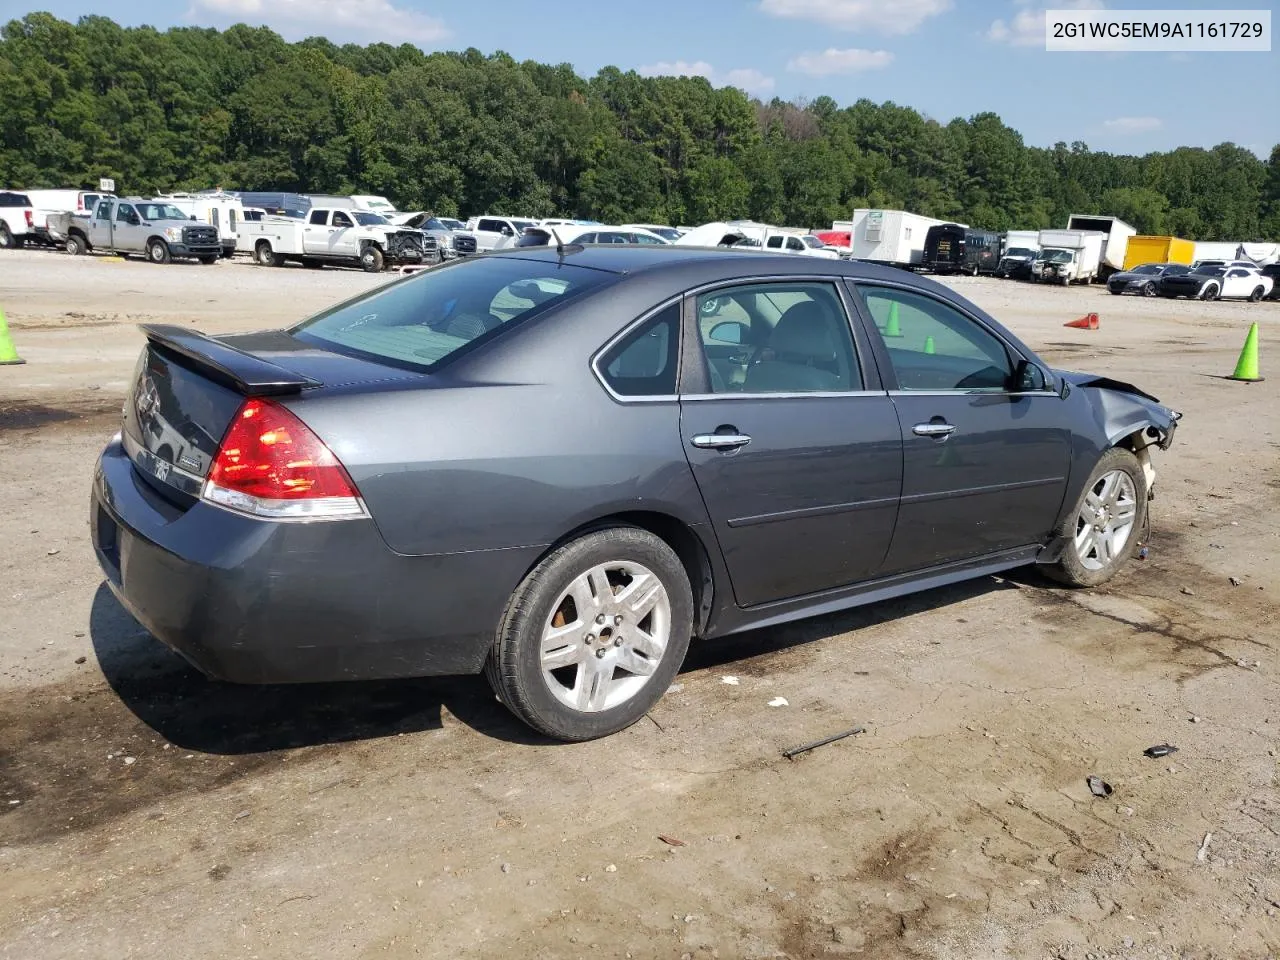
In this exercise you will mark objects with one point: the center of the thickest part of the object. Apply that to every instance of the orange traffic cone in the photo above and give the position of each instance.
(1087, 322)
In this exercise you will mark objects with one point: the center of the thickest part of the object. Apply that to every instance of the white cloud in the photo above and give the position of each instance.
(881, 16)
(1026, 29)
(1133, 124)
(832, 61)
(339, 20)
(744, 78)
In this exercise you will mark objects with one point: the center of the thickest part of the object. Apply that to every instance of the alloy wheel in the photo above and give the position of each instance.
(606, 635)
(1106, 520)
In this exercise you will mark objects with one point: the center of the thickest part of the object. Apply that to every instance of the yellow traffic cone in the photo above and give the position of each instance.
(928, 345)
(8, 355)
(893, 328)
(1246, 366)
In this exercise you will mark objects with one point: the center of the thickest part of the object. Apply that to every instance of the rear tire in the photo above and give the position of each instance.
(7, 241)
(158, 252)
(76, 245)
(265, 256)
(581, 672)
(371, 259)
(1256, 295)
(1106, 527)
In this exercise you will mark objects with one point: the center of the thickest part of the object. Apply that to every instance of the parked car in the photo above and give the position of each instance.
(547, 234)
(953, 248)
(449, 241)
(17, 219)
(1272, 272)
(802, 244)
(669, 234)
(1217, 283)
(48, 226)
(1017, 263)
(510, 463)
(344, 237)
(495, 233)
(143, 225)
(1145, 278)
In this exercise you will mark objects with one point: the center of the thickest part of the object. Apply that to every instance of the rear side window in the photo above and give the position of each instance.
(424, 321)
(643, 364)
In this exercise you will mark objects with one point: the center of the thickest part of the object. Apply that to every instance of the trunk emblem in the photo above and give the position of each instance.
(191, 462)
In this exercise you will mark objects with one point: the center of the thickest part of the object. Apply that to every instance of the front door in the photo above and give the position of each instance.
(985, 459)
(342, 235)
(796, 452)
(315, 235)
(128, 232)
(100, 232)
(1239, 282)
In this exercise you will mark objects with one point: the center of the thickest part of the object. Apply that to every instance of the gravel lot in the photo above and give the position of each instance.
(145, 812)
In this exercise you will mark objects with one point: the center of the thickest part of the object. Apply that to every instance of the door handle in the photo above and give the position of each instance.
(939, 431)
(720, 441)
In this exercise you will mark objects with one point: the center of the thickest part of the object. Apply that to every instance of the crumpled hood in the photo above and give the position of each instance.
(1122, 407)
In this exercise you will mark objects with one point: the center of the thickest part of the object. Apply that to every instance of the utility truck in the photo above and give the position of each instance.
(344, 237)
(1068, 256)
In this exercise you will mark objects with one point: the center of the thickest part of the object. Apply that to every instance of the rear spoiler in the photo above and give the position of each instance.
(250, 375)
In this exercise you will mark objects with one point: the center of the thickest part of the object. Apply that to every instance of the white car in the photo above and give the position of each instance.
(545, 235)
(1216, 282)
(497, 233)
(670, 234)
(806, 245)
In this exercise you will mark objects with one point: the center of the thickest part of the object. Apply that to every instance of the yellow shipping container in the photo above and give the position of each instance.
(1158, 250)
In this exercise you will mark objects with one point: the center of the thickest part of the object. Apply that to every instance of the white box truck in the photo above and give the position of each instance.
(894, 237)
(1115, 246)
(1068, 256)
(221, 210)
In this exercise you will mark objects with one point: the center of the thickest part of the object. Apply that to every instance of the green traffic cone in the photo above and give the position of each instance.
(928, 345)
(1246, 366)
(8, 355)
(893, 328)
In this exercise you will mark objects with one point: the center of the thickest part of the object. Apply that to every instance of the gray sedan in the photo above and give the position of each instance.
(559, 467)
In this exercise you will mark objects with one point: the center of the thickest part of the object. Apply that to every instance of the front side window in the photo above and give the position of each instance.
(777, 338)
(423, 321)
(340, 219)
(125, 214)
(643, 364)
(933, 346)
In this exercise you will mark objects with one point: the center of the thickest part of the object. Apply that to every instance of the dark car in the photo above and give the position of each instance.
(1272, 270)
(1144, 279)
(559, 466)
(1016, 263)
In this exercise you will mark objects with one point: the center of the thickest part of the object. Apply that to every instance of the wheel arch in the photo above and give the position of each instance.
(693, 552)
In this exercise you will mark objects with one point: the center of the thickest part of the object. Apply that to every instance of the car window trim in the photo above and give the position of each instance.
(890, 380)
(622, 335)
(695, 378)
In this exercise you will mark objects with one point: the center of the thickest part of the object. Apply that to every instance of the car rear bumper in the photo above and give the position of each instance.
(253, 601)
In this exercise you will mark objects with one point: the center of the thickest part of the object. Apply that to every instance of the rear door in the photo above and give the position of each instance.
(794, 444)
(985, 459)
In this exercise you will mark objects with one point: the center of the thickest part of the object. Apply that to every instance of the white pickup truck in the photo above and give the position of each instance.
(338, 236)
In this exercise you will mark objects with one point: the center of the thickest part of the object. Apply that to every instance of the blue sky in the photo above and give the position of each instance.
(946, 58)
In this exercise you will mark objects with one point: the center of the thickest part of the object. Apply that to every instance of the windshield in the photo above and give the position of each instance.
(419, 322)
(436, 224)
(1056, 256)
(370, 219)
(161, 211)
(451, 224)
(1020, 252)
(1148, 268)
(523, 225)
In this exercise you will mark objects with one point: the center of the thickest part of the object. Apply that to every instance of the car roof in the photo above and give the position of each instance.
(654, 259)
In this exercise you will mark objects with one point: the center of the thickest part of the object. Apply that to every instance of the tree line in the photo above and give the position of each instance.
(466, 133)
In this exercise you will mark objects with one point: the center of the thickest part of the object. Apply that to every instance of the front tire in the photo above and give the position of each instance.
(208, 259)
(1106, 527)
(594, 634)
(1210, 292)
(371, 259)
(158, 251)
(1149, 288)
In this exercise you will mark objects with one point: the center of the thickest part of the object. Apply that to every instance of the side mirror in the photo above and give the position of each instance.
(508, 232)
(730, 332)
(1028, 378)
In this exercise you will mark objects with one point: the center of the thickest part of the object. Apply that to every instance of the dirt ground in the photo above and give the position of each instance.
(146, 812)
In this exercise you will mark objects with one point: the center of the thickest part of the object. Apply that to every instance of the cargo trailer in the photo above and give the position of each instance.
(1147, 249)
(893, 237)
(1117, 234)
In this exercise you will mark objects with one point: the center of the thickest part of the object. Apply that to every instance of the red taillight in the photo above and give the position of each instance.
(30, 219)
(271, 464)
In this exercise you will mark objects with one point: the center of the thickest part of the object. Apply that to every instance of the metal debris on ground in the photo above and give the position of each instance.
(1204, 848)
(1235, 581)
(671, 841)
(806, 747)
(1160, 750)
(779, 702)
(1098, 787)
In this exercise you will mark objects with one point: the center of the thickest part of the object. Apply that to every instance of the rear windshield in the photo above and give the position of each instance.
(420, 322)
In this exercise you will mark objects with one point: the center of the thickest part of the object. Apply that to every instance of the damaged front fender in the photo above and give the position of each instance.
(1124, 411)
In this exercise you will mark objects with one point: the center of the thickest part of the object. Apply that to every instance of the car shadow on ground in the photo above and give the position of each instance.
(195, 713)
